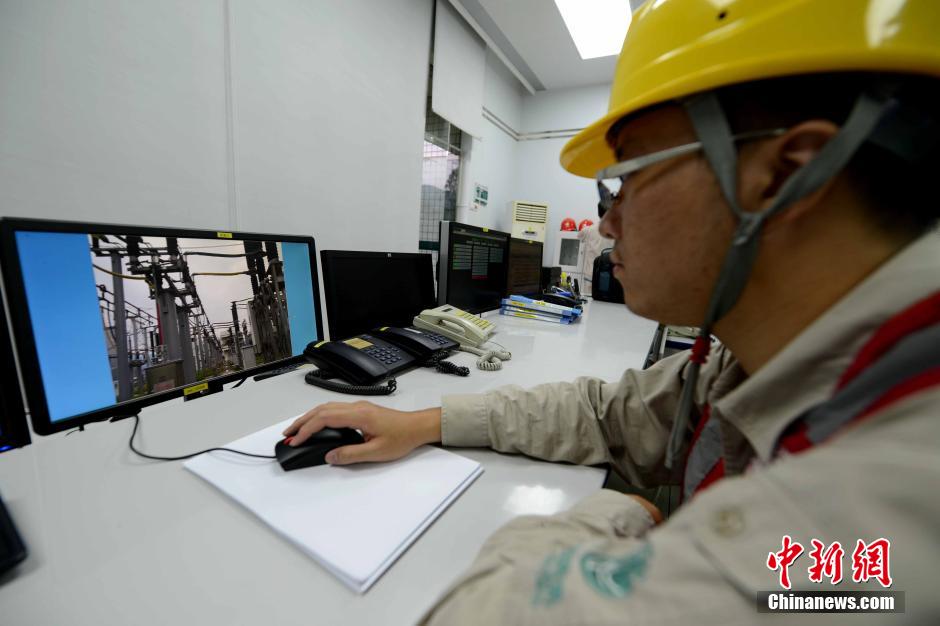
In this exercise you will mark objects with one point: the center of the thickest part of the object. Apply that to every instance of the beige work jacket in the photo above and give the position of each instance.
(602, 562)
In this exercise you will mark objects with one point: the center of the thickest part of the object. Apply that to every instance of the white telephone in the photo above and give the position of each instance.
(469, 330)
(464, 328)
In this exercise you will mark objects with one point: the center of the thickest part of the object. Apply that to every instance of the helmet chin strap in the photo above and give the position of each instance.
(713, 131)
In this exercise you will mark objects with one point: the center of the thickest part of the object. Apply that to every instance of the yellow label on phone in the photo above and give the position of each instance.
(357, 343)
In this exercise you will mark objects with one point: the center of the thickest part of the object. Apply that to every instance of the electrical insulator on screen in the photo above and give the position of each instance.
(568, 224)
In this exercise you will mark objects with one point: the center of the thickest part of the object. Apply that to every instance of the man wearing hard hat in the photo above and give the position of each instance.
(767, 168)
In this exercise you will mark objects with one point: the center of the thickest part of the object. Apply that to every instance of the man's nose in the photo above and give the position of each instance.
(606, 227)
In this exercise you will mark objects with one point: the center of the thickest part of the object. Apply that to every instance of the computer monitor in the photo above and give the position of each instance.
(365, 290)
(14, 431)
(524, 269)
(472, 271)
(109, 319)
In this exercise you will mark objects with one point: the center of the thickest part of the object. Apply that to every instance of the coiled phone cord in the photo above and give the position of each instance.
(446, 367)
(320, 378)
(490, 360)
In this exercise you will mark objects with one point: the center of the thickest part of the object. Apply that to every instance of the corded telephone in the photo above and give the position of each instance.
(468, 330)
(371, 358)
(464, 328)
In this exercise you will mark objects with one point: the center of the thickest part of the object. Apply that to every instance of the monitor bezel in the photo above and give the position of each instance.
(14, 429)
(22, 324)
(528, 242)
(326, 259)
(444, 284)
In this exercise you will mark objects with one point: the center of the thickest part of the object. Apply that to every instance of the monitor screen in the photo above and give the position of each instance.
(365, 290)
(14, 432)
(472, 273)
(112, 318)
(524, 271)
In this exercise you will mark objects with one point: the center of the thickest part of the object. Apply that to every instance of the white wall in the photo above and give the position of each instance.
(539, 175)
(117, 111)
(528, 169)
(113, 111)
(491, 160)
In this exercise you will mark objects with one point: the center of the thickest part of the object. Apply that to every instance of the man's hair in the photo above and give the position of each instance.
(899, 195)
(601, 210)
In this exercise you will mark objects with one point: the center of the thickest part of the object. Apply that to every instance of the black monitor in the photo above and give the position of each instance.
(365, 290)
(524, 269)
(109, 319)
(14, 432)
(472, 271)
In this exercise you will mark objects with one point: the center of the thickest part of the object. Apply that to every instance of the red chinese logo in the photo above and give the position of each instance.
(871, 561)
(826, 562)
(782, 560)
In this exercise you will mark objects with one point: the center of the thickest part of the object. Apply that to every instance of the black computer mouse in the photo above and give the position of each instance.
(313, 451)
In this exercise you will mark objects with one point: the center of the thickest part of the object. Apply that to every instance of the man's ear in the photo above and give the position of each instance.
(767, 165)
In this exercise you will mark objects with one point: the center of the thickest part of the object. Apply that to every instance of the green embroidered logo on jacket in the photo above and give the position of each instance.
(551, 578)
(615, 576)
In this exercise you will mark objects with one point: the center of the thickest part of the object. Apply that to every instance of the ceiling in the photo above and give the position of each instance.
(534, 38)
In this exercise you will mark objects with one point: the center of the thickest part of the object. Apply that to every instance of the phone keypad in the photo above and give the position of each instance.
(438, 339)
(387, 355)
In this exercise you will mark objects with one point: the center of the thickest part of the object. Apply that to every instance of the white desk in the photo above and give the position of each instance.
(117, 539)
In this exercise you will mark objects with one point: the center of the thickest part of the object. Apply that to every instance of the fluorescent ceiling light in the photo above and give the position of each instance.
(596, 26)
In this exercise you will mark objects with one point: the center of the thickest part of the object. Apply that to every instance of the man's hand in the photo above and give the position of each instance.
(389, 434)
(651, 508)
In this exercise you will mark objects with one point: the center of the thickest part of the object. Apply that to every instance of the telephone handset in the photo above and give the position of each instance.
(369, 359)
(364, 361)
(421, 344)
(464, 328)
(470, 331)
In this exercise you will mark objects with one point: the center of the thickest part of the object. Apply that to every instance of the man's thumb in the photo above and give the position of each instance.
(358, 453)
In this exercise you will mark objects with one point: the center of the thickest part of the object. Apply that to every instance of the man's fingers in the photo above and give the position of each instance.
(336, 416)
(300, 421)
(360, 453)
(306, 417)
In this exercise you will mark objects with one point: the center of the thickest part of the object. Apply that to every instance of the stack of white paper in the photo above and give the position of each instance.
(355, 520)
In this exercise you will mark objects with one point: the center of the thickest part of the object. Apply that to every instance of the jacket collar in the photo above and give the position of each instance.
(805, 372)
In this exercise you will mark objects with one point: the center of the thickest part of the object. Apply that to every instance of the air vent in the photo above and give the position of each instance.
(529, 219)
(529, 212)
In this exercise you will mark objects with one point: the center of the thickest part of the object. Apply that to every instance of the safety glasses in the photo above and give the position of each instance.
(611, 181)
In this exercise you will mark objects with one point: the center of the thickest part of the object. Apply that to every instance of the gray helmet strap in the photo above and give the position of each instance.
(713, 131)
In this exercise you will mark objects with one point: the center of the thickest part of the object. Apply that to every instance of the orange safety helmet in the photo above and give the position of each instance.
(584, 224)
(568, 224)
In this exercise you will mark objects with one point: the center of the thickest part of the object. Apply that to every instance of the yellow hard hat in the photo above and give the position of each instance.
(675, 48)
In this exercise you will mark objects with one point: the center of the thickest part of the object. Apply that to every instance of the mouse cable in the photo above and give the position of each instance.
(240, 383)
(187, 456)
